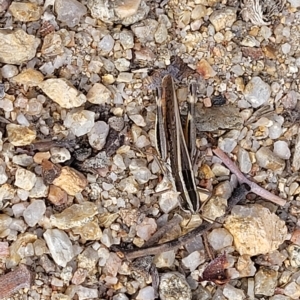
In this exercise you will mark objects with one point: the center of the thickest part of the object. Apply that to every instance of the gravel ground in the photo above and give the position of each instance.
(79, 172)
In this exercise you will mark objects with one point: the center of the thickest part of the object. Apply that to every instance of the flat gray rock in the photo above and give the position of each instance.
(218, 117)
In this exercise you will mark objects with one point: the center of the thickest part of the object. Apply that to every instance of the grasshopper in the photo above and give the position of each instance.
(171, 143)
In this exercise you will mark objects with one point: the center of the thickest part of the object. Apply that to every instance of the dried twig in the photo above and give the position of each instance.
(162, 231)
(46, 145)
(256, 189)
(207, 247)
(238, 194)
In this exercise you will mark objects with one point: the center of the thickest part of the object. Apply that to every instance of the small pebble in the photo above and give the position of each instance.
(164, 259)
(220, 238)
(286, 47)
(69, 11)
(34, 212)
(146, 228)
(193, 260)
(98, 134)
(59, 155)
(292, 290)
(231, 292)
(282, 150)
(146, 293)
(257, 92)
(25, 179)
(60, 246)
(174, 286)
(9, 71)
(265, 281)
(267, 159)
(80, 122)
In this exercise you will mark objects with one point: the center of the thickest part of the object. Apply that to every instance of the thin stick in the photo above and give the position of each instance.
(256, 189)
(162, 231)
(207, 247)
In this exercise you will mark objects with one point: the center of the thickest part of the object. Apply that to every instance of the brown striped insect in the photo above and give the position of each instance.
(171, 143)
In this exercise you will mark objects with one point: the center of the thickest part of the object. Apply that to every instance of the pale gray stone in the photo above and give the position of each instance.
(120, 296)
(218, 117)
(223, 18)
(268, 160)
(3, 175)
(294, 3)
(80, 122)
(220, 238)
(140, 14)
(59, 155)
(161, 33)
(219, 170)
(69, 11)
(231, 292)
(98, 134)
(292, 289)
(282, 150)
(116, 123)
(106, 44)
(244, 160)
(265, 281)
(228, 142)
(23, 160)
(126, 39)
(168, 200)
(34, 212)
(296, 156)
(59, 245)
(193, 260)
(146, 293)
(9, 71)
(39, 189)
(294, 255)
(122, 64)
(82, 292)
(257, 92)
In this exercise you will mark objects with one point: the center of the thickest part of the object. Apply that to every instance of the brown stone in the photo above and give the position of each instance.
(40, 156)
(295, 239)
(270, 52)
(205, 69)
(71, 181)
(57, 196)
